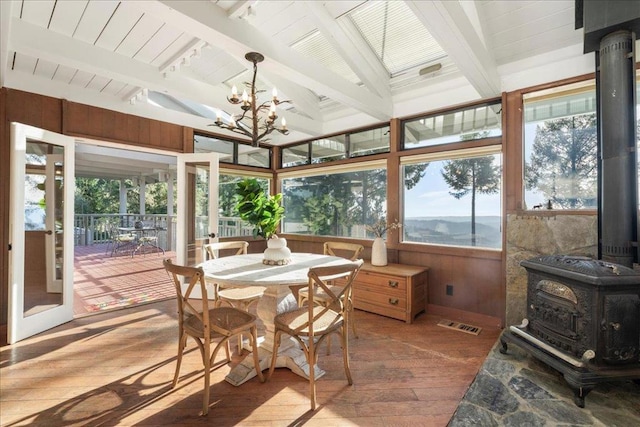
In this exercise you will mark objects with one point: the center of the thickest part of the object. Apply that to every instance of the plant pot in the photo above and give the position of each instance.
(277, 252)
(379, 252)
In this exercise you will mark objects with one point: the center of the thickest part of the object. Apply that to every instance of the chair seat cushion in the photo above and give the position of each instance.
(225, 321)
(292, 320)
(240, 294)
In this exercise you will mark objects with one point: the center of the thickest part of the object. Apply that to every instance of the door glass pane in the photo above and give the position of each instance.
(43, 227)
(198, 235)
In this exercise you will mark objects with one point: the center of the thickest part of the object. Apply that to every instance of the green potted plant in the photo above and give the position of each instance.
(264, 212)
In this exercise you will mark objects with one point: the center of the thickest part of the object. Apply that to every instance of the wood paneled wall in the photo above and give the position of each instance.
(97, 123)
(71, 119)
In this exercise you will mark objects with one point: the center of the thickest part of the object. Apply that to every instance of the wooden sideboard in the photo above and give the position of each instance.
(394, 290)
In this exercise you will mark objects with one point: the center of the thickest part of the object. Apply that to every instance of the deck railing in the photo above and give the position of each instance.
(90, 229)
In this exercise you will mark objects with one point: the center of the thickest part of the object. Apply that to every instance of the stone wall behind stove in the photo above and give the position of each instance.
(545, 233)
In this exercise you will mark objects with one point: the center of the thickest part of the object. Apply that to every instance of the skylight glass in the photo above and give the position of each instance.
(315, 46)
(396, 35)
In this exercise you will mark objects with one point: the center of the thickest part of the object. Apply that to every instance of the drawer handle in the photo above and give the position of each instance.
(393, 283)
(393, 301)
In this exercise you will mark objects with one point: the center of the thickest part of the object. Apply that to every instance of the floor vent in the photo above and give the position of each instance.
(462, 327)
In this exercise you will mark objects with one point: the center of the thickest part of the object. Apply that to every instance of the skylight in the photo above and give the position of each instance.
(315, 46)
(396, 35)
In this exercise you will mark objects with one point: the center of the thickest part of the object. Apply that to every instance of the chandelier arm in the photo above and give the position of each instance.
(239, 130)
(265, 133)
(242, 116)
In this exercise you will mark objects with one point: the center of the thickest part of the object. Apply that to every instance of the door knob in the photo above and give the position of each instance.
(212, 235)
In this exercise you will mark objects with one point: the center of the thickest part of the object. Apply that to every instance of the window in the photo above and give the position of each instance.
(483, 121)
(233, 152)
(229, 223)
(338, 147)
(560, 148)
(451, 194)
(336, 201)
(453, 198)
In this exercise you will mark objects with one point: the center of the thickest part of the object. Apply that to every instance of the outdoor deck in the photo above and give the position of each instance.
(105, 282)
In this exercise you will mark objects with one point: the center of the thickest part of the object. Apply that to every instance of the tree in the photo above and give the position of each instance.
(563, 163)
(333, 204)
(474, 175)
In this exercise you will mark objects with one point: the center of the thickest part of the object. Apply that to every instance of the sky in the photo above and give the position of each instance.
(431, 198)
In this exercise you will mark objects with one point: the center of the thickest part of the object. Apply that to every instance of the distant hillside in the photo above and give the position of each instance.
(454, 230)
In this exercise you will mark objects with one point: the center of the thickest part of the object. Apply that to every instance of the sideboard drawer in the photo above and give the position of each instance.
(382, 281)
(395, 290)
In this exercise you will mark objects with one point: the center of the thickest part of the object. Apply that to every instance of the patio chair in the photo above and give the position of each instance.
(235, 297)
(149, 239)
(206, 324)
(350, 251)
(118, 241)
(311, 324)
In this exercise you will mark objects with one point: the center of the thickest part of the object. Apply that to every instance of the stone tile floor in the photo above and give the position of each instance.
(515, 389)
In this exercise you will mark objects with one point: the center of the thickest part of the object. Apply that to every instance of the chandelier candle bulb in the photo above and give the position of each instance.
(284, 124)
(234, 93)
(275, 94)
(272, 111)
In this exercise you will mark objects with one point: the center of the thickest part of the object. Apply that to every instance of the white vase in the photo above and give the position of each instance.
(379, 252)
(277, 252)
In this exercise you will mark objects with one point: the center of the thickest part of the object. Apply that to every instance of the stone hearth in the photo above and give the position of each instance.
(516, 389)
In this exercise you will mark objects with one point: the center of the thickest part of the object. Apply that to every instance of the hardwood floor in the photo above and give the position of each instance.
(116, 368)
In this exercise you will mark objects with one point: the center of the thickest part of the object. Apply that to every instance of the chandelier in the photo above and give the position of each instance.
(258, 128)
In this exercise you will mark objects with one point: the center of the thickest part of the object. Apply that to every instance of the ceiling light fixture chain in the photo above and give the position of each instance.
(251, 109)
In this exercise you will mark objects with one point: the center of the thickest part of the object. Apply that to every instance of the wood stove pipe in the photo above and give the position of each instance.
(618, 201)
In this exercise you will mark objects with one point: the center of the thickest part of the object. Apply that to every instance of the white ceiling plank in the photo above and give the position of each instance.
(113, 87)
(45, 69)
(353, 49)
(169, 49)
(166, 36)
(24, 64)
(210, 23)
(119, 27)
(449, 25)
(98, 83)
(38, 12)
(94, 19)
(67, 16)
(64, 74)
(141, 33)
(81, 78)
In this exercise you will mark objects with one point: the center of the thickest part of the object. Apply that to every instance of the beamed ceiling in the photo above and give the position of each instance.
(343, 64)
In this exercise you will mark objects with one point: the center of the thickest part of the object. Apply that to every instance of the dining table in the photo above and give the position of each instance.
(249, 270)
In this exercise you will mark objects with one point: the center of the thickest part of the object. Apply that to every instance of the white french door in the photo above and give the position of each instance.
(197, 222)
(42, 175)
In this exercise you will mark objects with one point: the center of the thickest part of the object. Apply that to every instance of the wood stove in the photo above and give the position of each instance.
(583, 319)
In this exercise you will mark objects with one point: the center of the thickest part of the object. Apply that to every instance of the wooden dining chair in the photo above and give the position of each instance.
(311, 324)
(206, 324)
(240, 298)
(350, 251)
